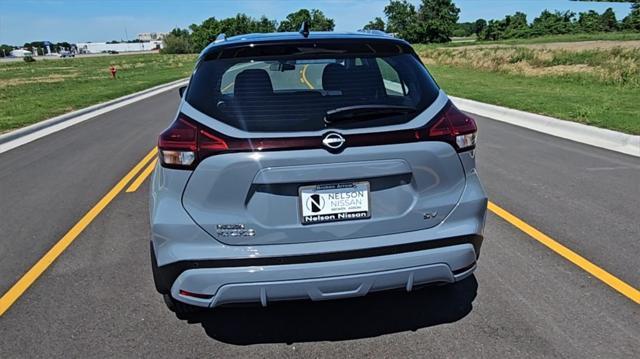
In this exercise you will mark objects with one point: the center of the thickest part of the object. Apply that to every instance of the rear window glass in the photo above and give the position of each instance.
(264, 92)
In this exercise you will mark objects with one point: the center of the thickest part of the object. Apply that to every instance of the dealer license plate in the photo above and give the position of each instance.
(334, 202)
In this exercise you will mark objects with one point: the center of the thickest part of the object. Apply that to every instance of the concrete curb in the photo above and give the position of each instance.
(27, 134)
(594, 136)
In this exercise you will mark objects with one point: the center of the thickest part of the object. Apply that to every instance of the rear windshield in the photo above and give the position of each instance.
(267, 91)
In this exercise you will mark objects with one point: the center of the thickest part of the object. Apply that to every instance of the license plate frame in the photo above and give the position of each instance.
(335, 202)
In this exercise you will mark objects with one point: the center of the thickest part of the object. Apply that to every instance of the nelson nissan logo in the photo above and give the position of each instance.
(333, 141)
(315, 203)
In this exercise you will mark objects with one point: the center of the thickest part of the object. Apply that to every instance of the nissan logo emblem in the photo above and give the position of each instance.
(333, 140)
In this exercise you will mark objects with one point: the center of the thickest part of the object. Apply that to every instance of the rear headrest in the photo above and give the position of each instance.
(357, 81)
(253, 83)
(334, 77)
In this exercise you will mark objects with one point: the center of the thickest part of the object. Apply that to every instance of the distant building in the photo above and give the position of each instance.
(100, 47)
(20, 53)
(151, 36)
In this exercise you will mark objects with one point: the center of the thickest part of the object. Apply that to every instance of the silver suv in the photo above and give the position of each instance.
(312, 166)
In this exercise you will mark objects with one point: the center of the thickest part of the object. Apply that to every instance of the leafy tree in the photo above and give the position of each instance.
(401, 19)
(436, 20)
(479, 26)
(632, 21)
(375, 24)
(5, 50)
(609, 21)
(516, 26)
(494, 30)
(553, 23)
(464, 29)
(589, 22)
(203, 34)
(316, 19)
(265, 25)
(178, 41)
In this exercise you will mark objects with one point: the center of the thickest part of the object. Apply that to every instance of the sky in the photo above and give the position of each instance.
(104, 20)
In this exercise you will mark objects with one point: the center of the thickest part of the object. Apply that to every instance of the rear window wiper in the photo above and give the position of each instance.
(365, 112)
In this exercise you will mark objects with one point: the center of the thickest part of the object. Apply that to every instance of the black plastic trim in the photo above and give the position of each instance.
(164, 276)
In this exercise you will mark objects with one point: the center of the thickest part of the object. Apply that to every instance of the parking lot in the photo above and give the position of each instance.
(75, 193)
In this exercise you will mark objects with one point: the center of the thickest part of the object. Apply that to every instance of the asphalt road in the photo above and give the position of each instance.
(97, 299)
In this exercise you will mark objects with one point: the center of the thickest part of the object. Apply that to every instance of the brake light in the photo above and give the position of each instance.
(455, 127)
(184, 143)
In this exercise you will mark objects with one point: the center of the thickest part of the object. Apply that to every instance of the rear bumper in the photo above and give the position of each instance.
(319, 276)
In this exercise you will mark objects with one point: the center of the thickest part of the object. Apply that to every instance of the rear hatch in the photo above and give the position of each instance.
(365, 191)
(318, 141)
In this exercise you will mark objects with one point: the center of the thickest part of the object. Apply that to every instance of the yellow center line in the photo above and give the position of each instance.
(606, 277)
(32, 274)
(143, 176)
(304, 79)
(228, 86)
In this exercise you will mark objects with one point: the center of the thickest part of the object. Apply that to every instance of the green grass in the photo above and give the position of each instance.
(602, 36)
(32, 92)
(571, 98)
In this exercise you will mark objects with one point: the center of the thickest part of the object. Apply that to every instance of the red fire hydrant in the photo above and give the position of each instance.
(113, 71)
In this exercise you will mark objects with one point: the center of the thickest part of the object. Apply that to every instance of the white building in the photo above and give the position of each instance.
(151, 36)
(20, 53)
(100, 47)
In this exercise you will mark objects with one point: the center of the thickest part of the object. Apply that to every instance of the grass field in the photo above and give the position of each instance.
(31, 92)
(596, 83)
(593, 79)
(603, 36)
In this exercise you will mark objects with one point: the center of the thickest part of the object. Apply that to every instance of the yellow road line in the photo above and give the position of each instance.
(32, 275)
(606, 277)
(228, 86)
(143, 176)
(304, 79)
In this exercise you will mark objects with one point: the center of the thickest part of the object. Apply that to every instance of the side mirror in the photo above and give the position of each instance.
(181, 90)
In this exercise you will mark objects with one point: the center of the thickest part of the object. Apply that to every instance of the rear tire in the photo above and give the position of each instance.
(182, 310)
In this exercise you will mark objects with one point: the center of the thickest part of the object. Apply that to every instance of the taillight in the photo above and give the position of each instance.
(187, 142)
(454, 127)
(184, 143)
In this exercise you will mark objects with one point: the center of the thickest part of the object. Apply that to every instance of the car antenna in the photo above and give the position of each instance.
(304, 29)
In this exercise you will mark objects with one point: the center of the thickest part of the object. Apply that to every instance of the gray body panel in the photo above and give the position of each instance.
(407, 181)
(176, 237)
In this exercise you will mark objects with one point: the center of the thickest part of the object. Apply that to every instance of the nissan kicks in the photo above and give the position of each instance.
(314, 166)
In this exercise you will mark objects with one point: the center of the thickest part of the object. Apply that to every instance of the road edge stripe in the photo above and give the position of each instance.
(142, 176)
(21, 286)
(573, 257)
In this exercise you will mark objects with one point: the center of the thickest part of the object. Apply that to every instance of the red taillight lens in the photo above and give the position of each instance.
(455, 127)
(184, 143)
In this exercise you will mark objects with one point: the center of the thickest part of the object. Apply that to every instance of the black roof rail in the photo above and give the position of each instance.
(304, 29)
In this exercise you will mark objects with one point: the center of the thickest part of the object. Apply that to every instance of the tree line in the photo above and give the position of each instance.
(197, 37)
(432, 21)
(437, 21)
(557, 23)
